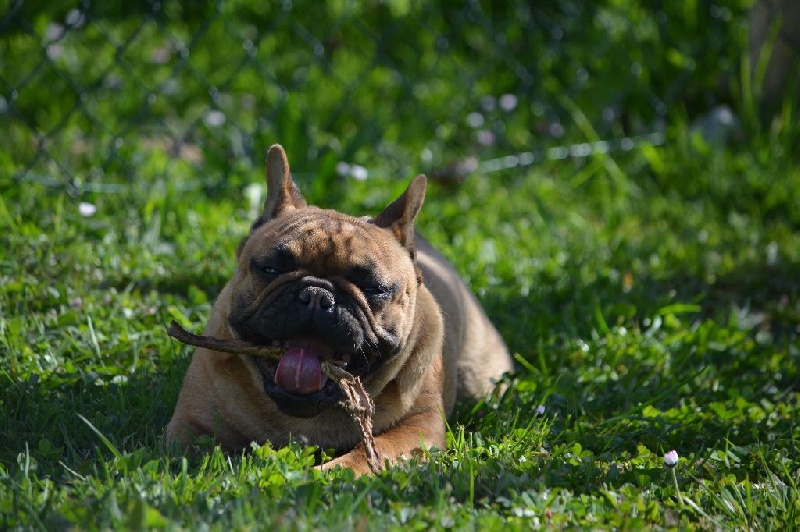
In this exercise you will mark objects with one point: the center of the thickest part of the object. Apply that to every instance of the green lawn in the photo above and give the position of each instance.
(656, 313)
(651, 296)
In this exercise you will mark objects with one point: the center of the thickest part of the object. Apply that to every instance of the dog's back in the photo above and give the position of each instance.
(475, 356)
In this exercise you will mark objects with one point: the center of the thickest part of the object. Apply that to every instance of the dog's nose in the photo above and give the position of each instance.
(317, 297)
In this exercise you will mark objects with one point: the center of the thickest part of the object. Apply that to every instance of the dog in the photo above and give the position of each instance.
(327, 286)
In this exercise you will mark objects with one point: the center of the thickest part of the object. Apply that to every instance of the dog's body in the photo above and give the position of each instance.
(328, 286)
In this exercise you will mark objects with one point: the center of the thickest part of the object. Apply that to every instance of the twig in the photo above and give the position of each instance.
(236, 347)
(357, 401)
(360, 407)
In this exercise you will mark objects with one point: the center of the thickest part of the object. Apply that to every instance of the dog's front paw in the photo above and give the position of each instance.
(354, 460)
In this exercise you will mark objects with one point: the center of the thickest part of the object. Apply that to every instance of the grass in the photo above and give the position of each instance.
(651, 297)
(212, 86)
(662, 316)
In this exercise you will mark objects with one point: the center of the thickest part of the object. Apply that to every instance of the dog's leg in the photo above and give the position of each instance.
(400, 442)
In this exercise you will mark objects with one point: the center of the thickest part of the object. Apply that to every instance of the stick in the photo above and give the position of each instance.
(236, 347)
(357, 401)
(360, 407)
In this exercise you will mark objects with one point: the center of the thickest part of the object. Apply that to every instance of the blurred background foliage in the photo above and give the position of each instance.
(100, 96)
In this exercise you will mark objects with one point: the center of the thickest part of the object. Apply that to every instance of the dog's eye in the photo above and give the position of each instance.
(377, 291)
(372, 290)
(276, 262)
(265, 270)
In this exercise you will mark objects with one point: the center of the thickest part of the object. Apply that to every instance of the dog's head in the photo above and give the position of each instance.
(326, 286)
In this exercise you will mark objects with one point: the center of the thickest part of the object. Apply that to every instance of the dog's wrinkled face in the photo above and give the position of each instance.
(325, 286)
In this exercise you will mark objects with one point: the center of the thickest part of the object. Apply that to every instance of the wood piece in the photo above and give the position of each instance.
(357, 401)
(361, 408)
(236, 347)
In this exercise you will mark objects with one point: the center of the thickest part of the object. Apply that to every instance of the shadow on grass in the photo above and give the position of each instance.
(736, 349)
(43, 416)
(769, 294)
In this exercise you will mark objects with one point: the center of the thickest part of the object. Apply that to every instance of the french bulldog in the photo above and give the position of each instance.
(363, 292)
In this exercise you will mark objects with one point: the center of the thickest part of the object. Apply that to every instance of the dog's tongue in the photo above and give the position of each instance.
(299, 370)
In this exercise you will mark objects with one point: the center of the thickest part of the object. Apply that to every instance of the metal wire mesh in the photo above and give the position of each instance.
(95, 95)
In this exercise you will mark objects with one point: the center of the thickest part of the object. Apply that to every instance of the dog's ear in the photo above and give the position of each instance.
(282, 194)
(400, 214)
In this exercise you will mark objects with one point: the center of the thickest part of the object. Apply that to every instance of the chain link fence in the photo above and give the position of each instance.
(100, 96)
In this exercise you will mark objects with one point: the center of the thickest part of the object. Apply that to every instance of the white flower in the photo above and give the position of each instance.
(671, 458)
(358, 172)
(86, 209)
(508, 102)
(540, 410)
(214, 118)
(355, 171)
